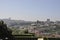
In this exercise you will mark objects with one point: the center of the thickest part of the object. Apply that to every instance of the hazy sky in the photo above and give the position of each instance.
(30, 9)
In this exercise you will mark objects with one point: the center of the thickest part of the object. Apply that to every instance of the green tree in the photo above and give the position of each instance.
(4, 31)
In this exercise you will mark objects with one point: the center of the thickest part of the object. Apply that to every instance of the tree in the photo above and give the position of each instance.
(26, 31)
(4, 31)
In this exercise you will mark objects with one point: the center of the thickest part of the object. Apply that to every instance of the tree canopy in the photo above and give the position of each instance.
(4, 31)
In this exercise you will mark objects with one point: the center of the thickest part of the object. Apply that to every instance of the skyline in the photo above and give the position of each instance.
(30, 10)
(28, 20)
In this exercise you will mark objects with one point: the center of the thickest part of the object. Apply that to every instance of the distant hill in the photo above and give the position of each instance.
(16, 22)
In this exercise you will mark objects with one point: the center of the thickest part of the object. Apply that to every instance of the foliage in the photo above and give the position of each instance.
(4, 31)
(19, 32)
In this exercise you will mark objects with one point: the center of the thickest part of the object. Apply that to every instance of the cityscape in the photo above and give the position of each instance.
(49, 29)
(29, 19)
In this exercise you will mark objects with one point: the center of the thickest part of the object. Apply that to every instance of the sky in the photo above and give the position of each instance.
(31, 10)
